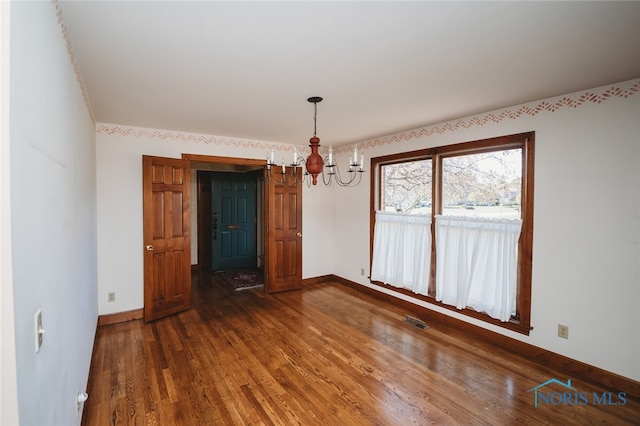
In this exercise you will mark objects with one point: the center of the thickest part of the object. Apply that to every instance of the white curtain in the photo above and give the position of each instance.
(402, 250)
(476, 263)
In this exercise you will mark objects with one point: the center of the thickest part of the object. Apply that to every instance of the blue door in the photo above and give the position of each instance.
(234, 221)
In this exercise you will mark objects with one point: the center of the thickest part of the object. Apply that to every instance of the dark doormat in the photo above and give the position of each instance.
(242, 279)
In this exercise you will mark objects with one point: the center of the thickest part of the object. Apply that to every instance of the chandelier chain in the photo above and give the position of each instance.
(315, 115)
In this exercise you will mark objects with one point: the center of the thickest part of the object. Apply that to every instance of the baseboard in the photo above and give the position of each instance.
(316, 280)
(572, 367)
(120, 317)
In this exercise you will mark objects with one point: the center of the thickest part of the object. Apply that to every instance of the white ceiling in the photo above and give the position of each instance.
(246, 69)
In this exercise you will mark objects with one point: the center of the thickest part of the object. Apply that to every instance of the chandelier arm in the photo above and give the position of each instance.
(294, 176)
(333, 170)
(325, 180)
(283, 180)
(352, 178)
(359, 173)
(339, 178)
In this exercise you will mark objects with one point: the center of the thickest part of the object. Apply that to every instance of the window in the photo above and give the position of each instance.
(406, 187)
(488, 184)
(471, 193)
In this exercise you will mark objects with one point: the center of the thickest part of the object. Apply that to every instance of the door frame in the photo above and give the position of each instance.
(203, 211)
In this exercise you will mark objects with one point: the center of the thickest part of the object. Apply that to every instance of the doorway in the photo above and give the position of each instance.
(228, 199)
(278, 220)
(170, 218)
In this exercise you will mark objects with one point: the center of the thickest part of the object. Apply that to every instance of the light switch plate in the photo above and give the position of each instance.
(37, 322)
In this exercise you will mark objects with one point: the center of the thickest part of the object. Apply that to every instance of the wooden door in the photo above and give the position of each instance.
(167, 251)
(283, 249)
(234, 221)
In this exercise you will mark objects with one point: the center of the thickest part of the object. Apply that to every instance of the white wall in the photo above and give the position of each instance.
(586, 220)
(119, 180)
(586, 271)
(53, 217)
(8, 379)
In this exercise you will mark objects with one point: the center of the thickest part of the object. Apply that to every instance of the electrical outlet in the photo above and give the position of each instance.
(362, 271)
(111, 296)
(563, 331)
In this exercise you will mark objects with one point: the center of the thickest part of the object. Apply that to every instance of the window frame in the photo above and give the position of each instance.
(521, 322)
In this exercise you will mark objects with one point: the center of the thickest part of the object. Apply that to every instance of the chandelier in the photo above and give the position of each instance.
(315, 164)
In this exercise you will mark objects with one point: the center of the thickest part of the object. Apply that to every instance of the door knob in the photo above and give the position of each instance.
(299, 234)
(149, 247)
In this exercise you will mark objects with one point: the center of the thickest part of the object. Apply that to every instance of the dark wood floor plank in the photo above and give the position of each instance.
(325, 355)
(396, 364)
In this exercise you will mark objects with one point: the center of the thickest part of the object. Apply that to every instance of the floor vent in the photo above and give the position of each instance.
(415, 322)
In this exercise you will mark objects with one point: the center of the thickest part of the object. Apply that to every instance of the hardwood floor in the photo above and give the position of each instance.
(325, 355)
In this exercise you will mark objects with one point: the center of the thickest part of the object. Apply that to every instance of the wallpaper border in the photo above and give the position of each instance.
(575, 100)
(551, 105)
(72, 59)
